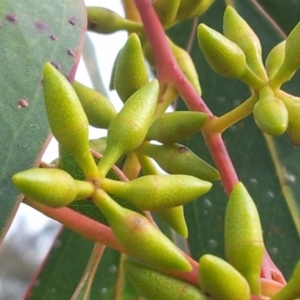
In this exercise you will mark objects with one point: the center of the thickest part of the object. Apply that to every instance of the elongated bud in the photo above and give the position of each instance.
(220, 281)
(157, 286)
(291, 60)
(271, 116)
(131, 71)
(191, 9)
(67, 119)
(166, 11)
(292, 104)
(291, 290)
(186, 65)
(52, 187)
(156, 192)
(139, 237)
(244, 246)
(176, 126)
(178, 159)
(224, 56)
(275, 59)
(103, 20)
(99, 110)
(238, 31)
(128, 130)
(174, 217)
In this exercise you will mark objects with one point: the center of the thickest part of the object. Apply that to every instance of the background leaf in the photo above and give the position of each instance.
(65, 265)
(30, 35)
(247, 146)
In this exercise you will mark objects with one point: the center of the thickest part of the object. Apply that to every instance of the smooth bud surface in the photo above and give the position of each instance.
(157, 286)
(238, 31)
(244, 246)
(271, 116)
(220, 281)
(128, 130)
(166, 11)
(67, 119)
(52, 187)
(275, 59)
(103, 20)
(176, 126)
(99, 110)
(175, 218)
(178, 159)
(140, 238)
(292, 48)
(156, 192)
(292, 104)
(191, 9)
(224, 56)
(131, 72)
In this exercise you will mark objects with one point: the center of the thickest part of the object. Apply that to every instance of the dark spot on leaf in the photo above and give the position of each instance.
(71, 53)
(72, 21)
(22, 103)
(53, 37)
(55, 64)
(11, 18)
(40, 25)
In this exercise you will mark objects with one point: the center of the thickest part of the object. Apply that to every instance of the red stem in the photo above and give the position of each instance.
(168, 72)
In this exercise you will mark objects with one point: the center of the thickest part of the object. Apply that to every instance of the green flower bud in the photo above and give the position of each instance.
(186, 65)
(103, 20)
(52, 187)
(191, 9)
(131, 71)
(67, 119)
(238, 31)
(99, 110)
(275, 59)
(128, 130)
(178, 159)
(291, 290)
(224, 56)
(244, 246)
(139, 237)
(220, 281)
(291, 60)
(174, 217)
(271, 116)
(292, 104)
(157, 286)
(156, 192)
(166, 11)
(176, 126)
(292, 48)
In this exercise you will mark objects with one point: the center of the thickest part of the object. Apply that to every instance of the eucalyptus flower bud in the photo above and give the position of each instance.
(158, 286)
(99, 110)
(244, 246)
(52, 187)
(131, 72)
(103, 20)
(139, 237)
(156, 192)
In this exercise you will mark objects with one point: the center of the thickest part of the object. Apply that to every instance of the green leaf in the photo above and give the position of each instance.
(30, 35)
(255, 158)
(65, 265)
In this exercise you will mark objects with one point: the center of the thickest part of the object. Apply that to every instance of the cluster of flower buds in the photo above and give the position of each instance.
(237, 54)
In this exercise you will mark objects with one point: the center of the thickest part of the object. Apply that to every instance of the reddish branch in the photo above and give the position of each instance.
(169, 73)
